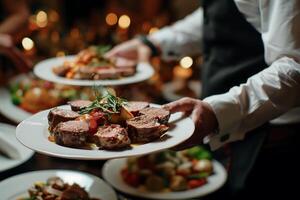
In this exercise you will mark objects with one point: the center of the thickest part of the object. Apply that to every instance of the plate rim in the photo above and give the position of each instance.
(13, 117)
(84, 157)
(23, 160)
(78, 82)
(137, 193)
(53, 171)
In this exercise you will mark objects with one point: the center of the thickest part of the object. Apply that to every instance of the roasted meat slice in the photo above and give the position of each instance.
(159, 113)
(135, 106)
(111, 137)
(57, 115)
(76, 105)
(75, 192)
(145, 128)
(126, 71)
(61, 70)
(106, 73)
(71, 133)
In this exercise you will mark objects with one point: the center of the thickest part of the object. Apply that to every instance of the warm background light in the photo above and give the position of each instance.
(41, 19)
(153, 30)
(27, 43)
(124, 21)
(111, 19)
(186, 62)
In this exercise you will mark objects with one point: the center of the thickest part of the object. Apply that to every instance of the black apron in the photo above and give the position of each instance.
(233, 51)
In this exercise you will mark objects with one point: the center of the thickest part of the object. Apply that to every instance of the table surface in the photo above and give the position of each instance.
(43, 162)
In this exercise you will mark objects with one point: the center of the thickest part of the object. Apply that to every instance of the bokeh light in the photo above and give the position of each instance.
(111, 19)
(41, 19)
(124, 21)
(186, 62)
(27, 43)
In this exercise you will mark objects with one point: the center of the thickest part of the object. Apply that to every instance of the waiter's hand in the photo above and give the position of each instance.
(129, 53)
(201, 113)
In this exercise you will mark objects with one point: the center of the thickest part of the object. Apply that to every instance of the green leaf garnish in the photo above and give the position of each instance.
(105, 101)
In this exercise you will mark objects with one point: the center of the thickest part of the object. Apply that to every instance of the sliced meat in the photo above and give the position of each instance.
(78, 104)
(85, 72)
(161, 114)
(111, 137)
(61, 70)
(57, 115)
(144, 128)
(135, 106)
(126, 71)
(74, 192)
(106, 73)
(71, 133)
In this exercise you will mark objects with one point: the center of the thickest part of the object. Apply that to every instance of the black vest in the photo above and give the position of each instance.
(232, 48)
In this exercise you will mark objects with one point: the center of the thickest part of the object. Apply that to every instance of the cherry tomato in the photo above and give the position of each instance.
(93, 125)
(196, 183)
(130, 178)
(98, 116)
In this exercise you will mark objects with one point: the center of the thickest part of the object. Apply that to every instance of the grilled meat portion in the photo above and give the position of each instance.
(111, 137)
(78, 104)
(160, 114)
(135, 106)
(145, 128)
(57, 115)
(75, 192)
(71, 133)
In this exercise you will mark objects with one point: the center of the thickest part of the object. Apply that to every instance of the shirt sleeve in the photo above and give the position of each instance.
(182, 38)
(274, 90)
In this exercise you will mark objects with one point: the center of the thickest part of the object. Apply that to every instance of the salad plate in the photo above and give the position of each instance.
(112, 171)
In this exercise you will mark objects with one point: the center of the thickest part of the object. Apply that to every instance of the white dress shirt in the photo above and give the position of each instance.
(266, 95)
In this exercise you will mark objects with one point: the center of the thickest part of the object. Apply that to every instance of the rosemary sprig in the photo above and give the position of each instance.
(107, 102)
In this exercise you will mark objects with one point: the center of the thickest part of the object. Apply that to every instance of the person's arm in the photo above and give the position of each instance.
(17, 16)
(273, 91)
(182, 38)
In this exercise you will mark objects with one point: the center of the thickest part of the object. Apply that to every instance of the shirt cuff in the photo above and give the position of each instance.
(228, 114)
(167, 45)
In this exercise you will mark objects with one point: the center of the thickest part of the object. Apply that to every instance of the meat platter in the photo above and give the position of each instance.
(108, 123)
(108, 127)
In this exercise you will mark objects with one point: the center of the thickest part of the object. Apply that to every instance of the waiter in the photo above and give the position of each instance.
(252, 49)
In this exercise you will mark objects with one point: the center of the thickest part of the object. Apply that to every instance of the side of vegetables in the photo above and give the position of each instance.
(169, 170)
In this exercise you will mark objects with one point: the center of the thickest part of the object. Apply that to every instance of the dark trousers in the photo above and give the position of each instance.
(266, 164)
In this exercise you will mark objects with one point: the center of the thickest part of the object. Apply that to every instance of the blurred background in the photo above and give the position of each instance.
(59, 28)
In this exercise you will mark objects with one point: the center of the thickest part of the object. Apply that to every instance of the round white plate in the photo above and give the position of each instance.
(9, 110)
(33, 133)
(44, 71)
(16, 187)
(9, 132)
(168, 90)
(112, 169)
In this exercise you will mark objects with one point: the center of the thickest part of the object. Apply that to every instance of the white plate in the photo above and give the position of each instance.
(16, 187)
(112, 169)
(169, 89)
(33, 133)
(9, 110)
(44, 71)
(5, 163)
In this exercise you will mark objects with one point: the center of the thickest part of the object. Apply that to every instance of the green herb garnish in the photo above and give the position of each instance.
(105, 101)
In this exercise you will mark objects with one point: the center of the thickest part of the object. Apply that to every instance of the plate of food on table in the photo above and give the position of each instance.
(167, 174)
(108, 127)
(27, 94)
(89, 67)
(56, 184)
